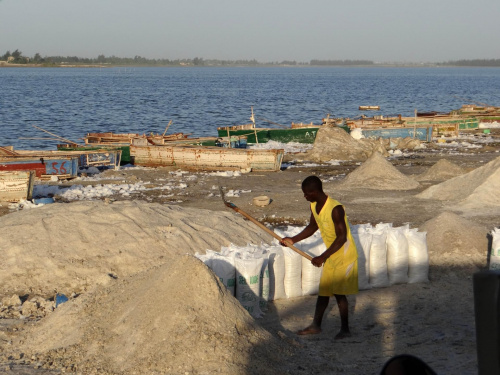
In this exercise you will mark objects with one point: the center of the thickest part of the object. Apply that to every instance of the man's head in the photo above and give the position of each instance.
(312, 188)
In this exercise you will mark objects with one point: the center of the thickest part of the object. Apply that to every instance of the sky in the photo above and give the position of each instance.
(272, 30)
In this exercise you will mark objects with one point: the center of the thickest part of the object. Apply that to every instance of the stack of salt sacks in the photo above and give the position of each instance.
(388, 255)
(258, 274)
(495, 250)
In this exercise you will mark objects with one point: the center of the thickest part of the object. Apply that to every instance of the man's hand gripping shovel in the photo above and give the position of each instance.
(259, 224)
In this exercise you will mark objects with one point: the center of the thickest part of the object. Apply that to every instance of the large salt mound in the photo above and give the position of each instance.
(336, 143)
(69, 247)
(174, 319)
(475, 190)
(455, 241)
(442, 170)
(379, 174)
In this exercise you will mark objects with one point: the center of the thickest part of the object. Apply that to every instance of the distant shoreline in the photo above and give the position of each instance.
(4, 64)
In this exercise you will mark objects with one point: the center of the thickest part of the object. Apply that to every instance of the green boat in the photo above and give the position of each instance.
(305, 134)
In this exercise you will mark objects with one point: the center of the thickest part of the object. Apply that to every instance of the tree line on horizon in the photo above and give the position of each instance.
(17, 57)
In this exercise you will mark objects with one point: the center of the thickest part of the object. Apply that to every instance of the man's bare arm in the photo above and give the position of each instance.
(308, 231)
(338, 215)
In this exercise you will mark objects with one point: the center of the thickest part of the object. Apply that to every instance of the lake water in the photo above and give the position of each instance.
(71, 101)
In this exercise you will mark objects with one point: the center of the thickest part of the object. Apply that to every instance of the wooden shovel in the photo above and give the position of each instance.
(260, 225)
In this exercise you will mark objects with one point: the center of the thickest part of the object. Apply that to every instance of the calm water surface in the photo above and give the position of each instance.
(71, 102)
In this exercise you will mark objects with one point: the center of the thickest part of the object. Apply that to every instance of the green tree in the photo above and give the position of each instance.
(37, 58)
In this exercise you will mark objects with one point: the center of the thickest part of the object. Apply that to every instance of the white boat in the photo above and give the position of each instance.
(207, 158)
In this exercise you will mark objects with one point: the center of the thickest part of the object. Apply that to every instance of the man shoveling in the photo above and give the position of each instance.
(340, 260)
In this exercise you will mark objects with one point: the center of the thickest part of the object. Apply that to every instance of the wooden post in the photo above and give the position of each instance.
(228, 137)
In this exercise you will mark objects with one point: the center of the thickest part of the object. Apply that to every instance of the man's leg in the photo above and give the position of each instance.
(315, 327)
(344, 317)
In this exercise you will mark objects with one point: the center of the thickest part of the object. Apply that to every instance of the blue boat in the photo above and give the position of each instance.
(44, 167)
(423, 133)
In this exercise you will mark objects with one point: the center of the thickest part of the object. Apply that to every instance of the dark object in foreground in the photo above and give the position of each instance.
(487, 312)
(406, 364)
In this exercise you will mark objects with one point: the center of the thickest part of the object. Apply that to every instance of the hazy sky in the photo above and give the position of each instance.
(272, 30)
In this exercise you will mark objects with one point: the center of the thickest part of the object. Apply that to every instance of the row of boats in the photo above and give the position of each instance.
(227, 151)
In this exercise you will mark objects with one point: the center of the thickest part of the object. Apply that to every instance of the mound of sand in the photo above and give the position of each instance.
(69, 247)
(455, 241)
(442, 170)
(175, 319)
(335, 143)
(475, 190)
(379, 174)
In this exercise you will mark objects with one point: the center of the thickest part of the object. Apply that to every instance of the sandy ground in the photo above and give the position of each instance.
(434, 321)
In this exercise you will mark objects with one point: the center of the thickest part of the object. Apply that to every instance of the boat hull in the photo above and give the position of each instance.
(62, 167)
(16, 185)
(103, 159)
(123, 147)
(421, 133)
(263, 135)
(207, 158)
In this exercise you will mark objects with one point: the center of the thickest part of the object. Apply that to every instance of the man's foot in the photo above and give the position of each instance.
(342, 335)
(311, 330)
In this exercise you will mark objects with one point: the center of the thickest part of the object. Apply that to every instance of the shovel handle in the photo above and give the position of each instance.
(263, 227)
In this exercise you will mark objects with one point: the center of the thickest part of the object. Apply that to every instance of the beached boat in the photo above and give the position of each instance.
(422, 133)
(101, 159)
(207, 158)
(62, 167)
(16, 185)
(110, 137)
(394, 127)
(306, 134)
(124, 148)
(423, 128)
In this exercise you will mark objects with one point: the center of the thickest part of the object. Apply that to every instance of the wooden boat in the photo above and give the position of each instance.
(263, 135)
(369, 107)
(114, 141)
(422, 133)
(110, 137)
(16, 185)
(207, 158)
(423, 128)
(124, 148)
(63, 167)
(101, 159)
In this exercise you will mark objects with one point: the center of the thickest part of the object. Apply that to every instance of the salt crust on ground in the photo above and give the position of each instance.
(174, 319)
(379, 174)
(70, 247)
(442, 170)
(476, 190)
(453, 241)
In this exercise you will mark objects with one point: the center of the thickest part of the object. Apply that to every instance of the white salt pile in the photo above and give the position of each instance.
(454, 241)
(442, 170)
(379, 174)
(173, 319)
(476, 191)
(71, 247)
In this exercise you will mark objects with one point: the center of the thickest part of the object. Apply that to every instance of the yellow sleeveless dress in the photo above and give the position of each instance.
(340, 271)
